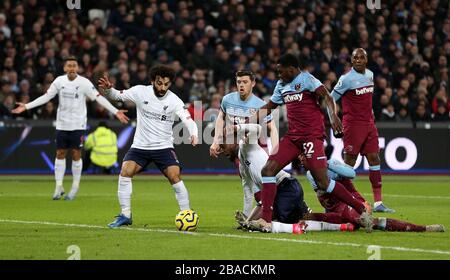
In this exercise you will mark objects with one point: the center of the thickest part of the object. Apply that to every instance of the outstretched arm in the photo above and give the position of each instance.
(41, 100)
(120, 114)
(123, 95)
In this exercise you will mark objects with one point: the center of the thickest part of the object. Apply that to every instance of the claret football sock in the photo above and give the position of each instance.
(389, 224)
(348, 184)
(268, 194)
(375, 180)
(345, 196)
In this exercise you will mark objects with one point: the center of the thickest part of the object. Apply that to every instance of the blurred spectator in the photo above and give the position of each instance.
(442, 114)
(403, 115)
(4, 27)
(421, 114)
(6, 106)
(408, 46)
(182, 89)
(388, 114)
(213, 110)
(441, 99)
(47, 112)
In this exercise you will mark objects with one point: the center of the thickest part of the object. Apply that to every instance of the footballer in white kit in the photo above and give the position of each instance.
(157, 108)
(71, 116)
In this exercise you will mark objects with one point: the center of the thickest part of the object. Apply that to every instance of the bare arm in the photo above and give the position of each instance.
(274, 137)
(331, 108)
(35, 103)
(218, 134)
(264, 111)
(41, 100)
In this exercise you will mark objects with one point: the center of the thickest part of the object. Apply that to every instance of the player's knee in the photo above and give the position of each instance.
(173, 177)
(350, 160)
(373, 159)
(127, 171)
(76, 155)
(60, 154)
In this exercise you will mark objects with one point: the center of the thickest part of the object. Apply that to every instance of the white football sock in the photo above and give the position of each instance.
(182, 196)
(77, 166)
(248, 201)
(278, 227)
(124, 192)
(60, 169)
(321, 226)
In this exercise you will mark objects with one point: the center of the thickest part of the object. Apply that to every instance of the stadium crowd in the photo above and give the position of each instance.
(408, 43)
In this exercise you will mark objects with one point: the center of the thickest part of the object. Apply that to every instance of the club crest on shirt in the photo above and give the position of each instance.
(145, 102)
(297, 87)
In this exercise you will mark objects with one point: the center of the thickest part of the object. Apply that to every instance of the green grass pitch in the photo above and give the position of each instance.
(32, 226)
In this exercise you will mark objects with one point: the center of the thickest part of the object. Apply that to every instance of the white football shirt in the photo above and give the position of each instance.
(252, 158)
(155, 116)
(72, 112)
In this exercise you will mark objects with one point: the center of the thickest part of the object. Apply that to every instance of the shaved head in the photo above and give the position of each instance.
(355, 51)
(359, 60)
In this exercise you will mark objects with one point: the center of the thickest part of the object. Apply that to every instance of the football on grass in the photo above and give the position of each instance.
(186, 220)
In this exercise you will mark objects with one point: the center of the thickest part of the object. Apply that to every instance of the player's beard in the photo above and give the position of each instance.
(159, 93)
(72, 76)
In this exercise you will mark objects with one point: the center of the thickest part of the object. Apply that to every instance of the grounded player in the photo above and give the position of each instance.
(289, 206)
(339, 212)
(72, 90)
(360, 132)
(157, 108)
(300, 91)
(238, 107)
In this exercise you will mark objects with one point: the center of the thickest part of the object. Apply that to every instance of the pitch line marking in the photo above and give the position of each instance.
(315, 242)
(306, 194)
(402, 196)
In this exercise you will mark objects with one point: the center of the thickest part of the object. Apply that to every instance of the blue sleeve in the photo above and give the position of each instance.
(341, 169)
(277, 98)
(311, 83)
(223, 104)
(339, 89)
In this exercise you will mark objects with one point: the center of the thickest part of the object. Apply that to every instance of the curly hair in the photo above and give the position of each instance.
(162, 71)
